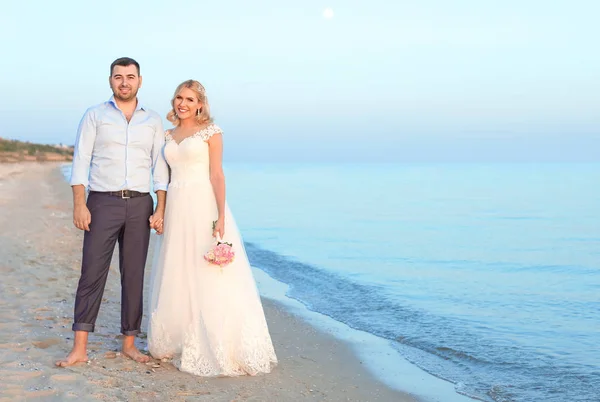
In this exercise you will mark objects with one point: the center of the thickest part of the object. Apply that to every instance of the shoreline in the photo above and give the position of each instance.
(376, 354)
(42, 254)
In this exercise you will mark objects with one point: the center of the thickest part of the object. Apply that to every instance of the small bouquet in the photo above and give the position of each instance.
(220, 254)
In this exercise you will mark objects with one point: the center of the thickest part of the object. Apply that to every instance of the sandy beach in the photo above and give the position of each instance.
(40, 253)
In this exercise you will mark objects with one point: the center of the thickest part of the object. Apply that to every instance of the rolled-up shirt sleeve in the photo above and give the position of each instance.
(84, 145)
(160, 169)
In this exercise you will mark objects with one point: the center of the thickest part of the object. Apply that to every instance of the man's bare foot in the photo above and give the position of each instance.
(73, 358)
(134, 354)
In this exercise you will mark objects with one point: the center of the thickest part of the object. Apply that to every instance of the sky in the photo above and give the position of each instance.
(381, 81)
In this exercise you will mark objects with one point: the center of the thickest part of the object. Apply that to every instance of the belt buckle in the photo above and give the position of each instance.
(125, 194)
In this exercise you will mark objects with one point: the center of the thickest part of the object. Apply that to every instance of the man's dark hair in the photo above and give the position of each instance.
(124, 62)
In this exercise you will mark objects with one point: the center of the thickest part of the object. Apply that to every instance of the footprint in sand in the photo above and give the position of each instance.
(9, 345)
(11, 375)
(111, 355)
(7, 326)
(5, 269)
(64, 377)
(13, 392)
(39, 394)
(46, 343)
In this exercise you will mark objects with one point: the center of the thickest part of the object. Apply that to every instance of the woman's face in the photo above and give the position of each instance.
(186, 104)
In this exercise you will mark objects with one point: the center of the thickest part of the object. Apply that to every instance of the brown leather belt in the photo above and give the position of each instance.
(122, 193)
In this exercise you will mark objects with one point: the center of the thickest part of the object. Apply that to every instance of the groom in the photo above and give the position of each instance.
(117, 151)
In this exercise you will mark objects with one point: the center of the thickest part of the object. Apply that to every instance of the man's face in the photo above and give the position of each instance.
(125, 82)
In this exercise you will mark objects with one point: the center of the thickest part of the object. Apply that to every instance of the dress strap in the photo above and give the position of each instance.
(209, 131)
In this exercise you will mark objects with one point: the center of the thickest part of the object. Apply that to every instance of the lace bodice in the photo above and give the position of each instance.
(189, 159)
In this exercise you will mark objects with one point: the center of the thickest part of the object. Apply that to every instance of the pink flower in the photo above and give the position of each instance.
(221, 254)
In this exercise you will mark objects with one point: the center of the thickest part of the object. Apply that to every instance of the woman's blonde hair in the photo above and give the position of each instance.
(203, 117)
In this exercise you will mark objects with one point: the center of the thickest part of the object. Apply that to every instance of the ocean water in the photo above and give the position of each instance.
(487, 276)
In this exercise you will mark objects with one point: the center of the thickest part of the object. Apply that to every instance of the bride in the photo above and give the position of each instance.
(209, 320)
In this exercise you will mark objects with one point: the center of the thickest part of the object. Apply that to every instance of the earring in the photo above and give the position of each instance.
(198, 111)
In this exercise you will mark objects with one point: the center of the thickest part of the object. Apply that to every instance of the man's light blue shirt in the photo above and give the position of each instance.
(112, 154)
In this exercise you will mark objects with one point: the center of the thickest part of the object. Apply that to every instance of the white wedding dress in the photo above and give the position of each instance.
(209, 321)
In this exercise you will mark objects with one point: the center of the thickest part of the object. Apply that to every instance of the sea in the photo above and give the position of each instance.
(485, 276)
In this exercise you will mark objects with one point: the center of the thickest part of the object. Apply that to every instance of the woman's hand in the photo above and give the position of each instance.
(219, 227)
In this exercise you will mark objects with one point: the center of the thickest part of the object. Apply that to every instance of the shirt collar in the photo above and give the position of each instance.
(140, 105)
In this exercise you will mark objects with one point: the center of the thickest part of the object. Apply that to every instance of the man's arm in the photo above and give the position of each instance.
(160, 176)
(81, 214)
(84, 145)
(160, 168)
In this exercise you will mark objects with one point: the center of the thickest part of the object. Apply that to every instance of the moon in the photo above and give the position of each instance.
(328, 13)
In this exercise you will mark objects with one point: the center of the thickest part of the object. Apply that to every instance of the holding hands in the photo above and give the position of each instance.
(157, 221)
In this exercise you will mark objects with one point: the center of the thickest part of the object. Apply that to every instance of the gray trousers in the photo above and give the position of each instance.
(126, 221)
